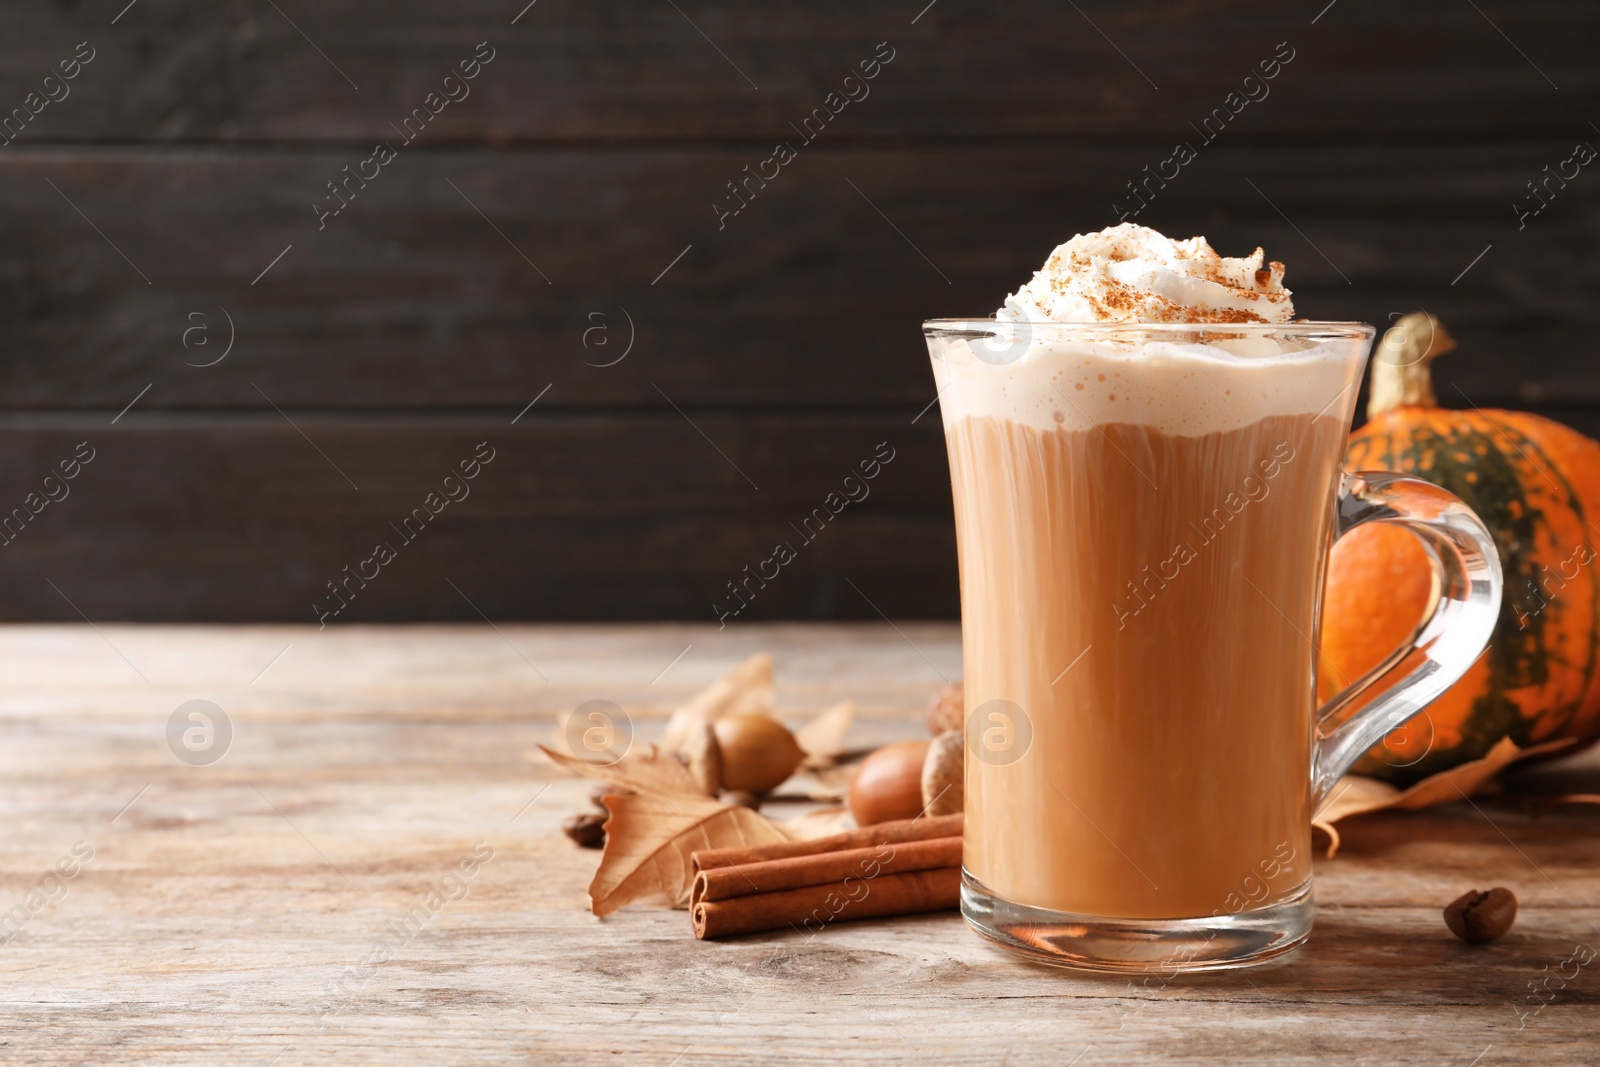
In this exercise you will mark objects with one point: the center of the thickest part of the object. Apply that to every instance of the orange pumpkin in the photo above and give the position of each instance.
(1536, 485)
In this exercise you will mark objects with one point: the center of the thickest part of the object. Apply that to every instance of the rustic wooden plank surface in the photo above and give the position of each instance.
(222, 902)
(1383, 166)
(174, 71)
(388, 340)
(807, 298)
(200, 517)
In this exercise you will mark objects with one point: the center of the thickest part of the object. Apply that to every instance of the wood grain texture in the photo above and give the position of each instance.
(634, 70)
(570, 199)
(575, 517)
(808, 297)
(223, 904)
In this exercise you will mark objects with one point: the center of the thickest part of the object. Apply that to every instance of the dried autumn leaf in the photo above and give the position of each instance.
(650, 839)
(822, 739)
(746, 688)
(1357, 795)
(650, 771)
(702, 753)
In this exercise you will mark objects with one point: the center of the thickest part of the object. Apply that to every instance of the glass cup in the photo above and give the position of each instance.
(1143, 518)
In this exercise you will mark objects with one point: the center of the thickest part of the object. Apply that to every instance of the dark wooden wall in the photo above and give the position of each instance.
(771, 358)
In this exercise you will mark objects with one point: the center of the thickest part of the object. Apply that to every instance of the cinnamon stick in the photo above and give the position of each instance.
(828, 868)
(919, 829)
(812, 907)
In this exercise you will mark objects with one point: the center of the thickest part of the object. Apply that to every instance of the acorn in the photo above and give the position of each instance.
(758, 752)
(889, 784)
(944, 774)
(947, 709)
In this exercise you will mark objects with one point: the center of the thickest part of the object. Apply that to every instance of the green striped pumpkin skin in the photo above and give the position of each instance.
(1536, 485)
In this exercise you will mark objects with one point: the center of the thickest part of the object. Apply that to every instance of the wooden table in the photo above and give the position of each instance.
(225, 904)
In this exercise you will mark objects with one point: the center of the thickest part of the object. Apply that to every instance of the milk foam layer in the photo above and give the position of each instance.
(1068, 352)
(1131, 273)
(1176, 386)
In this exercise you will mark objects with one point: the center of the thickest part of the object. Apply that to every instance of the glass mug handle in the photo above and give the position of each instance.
(1466, 603)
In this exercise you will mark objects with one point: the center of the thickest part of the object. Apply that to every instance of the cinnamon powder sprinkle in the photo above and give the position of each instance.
(1155, 308)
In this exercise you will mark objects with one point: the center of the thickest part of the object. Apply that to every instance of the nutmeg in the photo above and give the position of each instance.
(758, 752)
(588, 829)
(947, 709)
(943, 774)
(889, 784)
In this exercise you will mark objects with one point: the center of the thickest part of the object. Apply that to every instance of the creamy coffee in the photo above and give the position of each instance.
(1142, 512)
(1166, 687)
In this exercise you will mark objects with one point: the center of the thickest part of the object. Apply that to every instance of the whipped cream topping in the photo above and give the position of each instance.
(1131, 273)
(1099, 336)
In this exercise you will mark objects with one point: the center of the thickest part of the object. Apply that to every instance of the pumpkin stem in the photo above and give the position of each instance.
(1401, 375)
